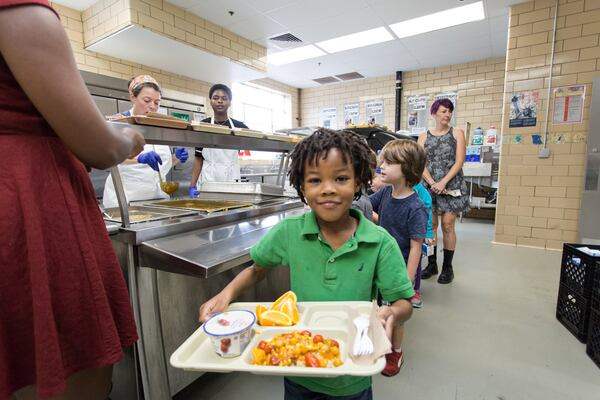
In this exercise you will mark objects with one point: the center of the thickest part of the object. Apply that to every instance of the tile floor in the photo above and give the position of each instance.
(490, 335)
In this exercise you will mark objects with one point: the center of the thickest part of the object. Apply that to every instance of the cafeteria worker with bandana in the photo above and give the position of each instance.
(140, 179)
(217, 165)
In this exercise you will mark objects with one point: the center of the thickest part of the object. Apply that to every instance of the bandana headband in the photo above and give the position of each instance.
(139, 80)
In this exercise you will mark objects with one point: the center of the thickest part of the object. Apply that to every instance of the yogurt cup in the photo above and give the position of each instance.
(230, 332)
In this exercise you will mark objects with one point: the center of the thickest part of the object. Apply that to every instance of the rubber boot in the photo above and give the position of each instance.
(447, 274)
(432, 268)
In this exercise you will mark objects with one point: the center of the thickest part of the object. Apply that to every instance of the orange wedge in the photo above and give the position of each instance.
(259, 310)
(289, 307)
(275, 318)
(287, 295)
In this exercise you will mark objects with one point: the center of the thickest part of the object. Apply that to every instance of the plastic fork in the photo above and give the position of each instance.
(362, 343)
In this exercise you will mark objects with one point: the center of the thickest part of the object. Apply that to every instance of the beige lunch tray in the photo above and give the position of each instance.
(281, 138)
(211, 128)
(151, 121)
(249, 133)
(330, 319)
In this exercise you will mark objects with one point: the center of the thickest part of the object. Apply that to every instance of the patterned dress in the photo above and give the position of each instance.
(441, 156)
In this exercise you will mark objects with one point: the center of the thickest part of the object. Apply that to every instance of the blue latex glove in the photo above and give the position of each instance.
(151, 158)
(193, 191)
(181, 154)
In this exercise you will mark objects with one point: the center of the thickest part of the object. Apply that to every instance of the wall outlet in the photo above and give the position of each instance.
(544, 153)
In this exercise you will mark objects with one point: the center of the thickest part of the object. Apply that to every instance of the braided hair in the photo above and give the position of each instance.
(354, 150)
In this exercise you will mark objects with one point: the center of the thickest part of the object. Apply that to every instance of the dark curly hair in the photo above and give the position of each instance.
(353, 147)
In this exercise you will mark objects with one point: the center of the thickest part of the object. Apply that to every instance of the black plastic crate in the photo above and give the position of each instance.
(577, 268)
(572, 310)
(593, 345)
(596, 290)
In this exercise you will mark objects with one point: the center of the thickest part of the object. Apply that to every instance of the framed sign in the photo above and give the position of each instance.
(329, 117)
(523, 109)
(375, 112)
(351, 114)
(417, 114)
(568, 104)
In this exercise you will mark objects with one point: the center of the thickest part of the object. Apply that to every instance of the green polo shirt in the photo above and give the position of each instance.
(369, 260)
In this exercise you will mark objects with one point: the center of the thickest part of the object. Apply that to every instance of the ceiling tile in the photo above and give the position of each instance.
(217, 11)
(498, 24)
(342, 24)
(258, 28)
(428, 59)
(313, 11)
(392, 11)
(317, 20)
(448, 36)
(268, 5)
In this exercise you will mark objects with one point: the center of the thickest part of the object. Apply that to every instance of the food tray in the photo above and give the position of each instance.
(282, 138)
(296, 138)
(242, 188)
(211, 128)
(162, 122)
(249, 133)
(202, 205)
(142, 214)
(330, 319)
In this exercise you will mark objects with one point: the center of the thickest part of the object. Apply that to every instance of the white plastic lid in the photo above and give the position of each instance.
(229, 323)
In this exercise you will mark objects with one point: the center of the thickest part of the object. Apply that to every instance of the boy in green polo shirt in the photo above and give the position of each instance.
(334, 253)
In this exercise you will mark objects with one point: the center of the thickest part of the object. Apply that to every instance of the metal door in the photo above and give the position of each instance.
(589, 217)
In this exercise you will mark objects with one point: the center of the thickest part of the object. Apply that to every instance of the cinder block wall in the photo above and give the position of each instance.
(539, 199)
(479, 85)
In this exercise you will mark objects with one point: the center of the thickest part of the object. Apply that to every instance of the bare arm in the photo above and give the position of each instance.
(426, 174)
(196, 169)
(414, 255)
(32, 37)
(245, 279)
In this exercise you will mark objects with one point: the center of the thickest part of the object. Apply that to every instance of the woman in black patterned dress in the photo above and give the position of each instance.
(443, 176)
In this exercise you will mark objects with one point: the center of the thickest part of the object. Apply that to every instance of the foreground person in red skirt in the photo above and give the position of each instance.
(64, 307)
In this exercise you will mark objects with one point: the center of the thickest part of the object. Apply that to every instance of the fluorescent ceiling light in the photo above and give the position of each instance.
(293, 55)
(355, 40)
(439, 20)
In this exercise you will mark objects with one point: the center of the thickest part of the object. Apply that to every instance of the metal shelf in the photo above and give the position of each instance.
(188, 137)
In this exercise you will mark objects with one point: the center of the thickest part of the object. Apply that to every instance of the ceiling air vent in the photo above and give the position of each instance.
(349, 76)
(285, 41)
(326, 79)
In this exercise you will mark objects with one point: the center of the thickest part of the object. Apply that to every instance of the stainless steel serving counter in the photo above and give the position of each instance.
(176, 261)
(172, 275)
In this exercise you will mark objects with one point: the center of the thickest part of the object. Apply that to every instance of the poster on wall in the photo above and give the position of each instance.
(568, 104)
(375, 112)
(417, 114)
(523, 109)
(351, 114)
(453, 97)
(329, 117)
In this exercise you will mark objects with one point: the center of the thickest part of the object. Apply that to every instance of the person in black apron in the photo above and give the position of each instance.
(217, 165)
